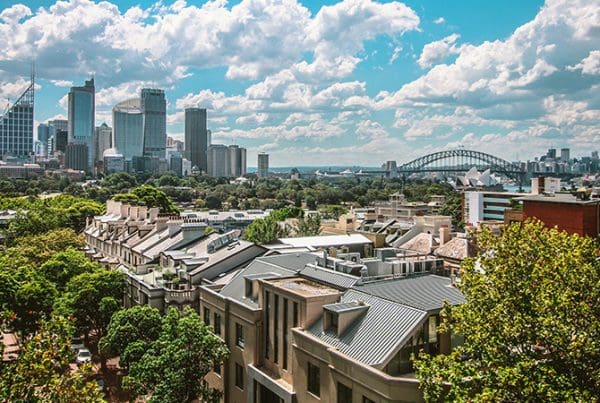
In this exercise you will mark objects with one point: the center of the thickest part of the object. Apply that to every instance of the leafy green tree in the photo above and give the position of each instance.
(287, 212)
(265, 231)
(63, 266)
(34, 250)
(309, 226)
(148, 196)
(93, 298)
(33, 301)
(41, 372)
(128, 326)
(530, 323)
(332, 211)
(173, 368)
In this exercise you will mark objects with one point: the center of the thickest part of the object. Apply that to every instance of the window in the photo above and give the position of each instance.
(217, 368)
(367, 400)
(295, 314)
(239, 376)
(276, 330)
(239, 335)
(267, 324)
(217, 324)
(207, 316)
(314, 380)
(344, 393)
(285, 333)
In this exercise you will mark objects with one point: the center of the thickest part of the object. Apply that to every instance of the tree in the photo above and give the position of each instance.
(140, 324)
(332, 211)
(33, 301)
(287, 212)
(530, 322)
(41, 372)
(173, 368)
(63, 266)
(93, 298)
(265, 231)
(34, 250)
(148, 196)
(309, 226)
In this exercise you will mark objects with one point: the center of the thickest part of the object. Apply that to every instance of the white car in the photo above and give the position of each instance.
(84, 356)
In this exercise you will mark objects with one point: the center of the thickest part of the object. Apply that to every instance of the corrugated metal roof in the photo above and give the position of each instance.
(282, 265)
(377, 333)
(327, 240)
(346, 306)
(426, 292)
(328, 276)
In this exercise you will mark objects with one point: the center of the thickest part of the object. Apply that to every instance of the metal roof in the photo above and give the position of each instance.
(328, 276)
(346, 306)
(377, 334)
(327, 240)
(280, 265)
(425, 292)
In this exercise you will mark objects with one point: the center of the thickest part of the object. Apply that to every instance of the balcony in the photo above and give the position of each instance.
(181, 296)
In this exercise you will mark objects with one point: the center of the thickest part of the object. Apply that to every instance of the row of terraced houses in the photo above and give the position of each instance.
(319, 319)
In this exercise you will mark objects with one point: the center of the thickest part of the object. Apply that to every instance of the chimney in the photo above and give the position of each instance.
(161, 223)
(174, 226)
(444, 234)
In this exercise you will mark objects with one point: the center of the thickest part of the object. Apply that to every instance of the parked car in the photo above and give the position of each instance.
(84, 356)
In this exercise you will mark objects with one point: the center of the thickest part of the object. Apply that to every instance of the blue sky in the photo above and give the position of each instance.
(353, 82)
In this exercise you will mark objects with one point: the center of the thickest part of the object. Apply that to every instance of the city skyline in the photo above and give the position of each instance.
(352, 82)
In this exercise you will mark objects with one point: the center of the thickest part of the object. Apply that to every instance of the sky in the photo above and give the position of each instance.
(326, 83)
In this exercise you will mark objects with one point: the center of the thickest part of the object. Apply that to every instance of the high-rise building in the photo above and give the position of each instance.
(76, 156)
(61, 138)
(551, 153)
(565, 154)
(102, 140)
(43, 134)
(16, 126)
(128, 129)
(263, 165)
(82, 109)
(218, 161)
(154, 109)
(59, 124)
(196, 141)
(237, 161)
(175, 144)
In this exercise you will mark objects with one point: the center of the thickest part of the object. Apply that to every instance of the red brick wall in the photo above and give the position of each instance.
(573, 218)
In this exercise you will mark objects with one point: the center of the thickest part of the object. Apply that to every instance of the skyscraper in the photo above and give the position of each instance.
(82, 109)
(551, 153)
(154, 109)
(43, 134)
(128, 129)
(565, 154)
(237, 161)
(102, 140)
(218, 161)
(196, 142)
(263, 165)
(16, 126)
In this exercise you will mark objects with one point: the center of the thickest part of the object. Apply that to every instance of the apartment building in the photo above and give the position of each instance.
(302, 329)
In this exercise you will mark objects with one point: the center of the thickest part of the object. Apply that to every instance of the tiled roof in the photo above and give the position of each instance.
(456, 248)
(376, 334)
(426, 292)
(423, 243)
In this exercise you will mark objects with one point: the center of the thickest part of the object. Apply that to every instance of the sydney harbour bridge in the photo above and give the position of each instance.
(461, 160)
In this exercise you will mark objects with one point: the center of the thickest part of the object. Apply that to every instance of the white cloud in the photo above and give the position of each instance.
(439, 20)
(437, 51)
(590, 65)
(62, 83)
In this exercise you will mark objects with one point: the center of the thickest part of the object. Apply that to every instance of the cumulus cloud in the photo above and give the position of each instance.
(437, 51)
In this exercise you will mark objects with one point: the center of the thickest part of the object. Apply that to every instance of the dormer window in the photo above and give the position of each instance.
(340, 316)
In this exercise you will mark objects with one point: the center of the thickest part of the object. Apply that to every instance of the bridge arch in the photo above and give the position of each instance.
(462, 160)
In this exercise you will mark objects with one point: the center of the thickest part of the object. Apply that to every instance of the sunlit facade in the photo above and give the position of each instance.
(128, 129)
(16, 126)
(81, 124)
